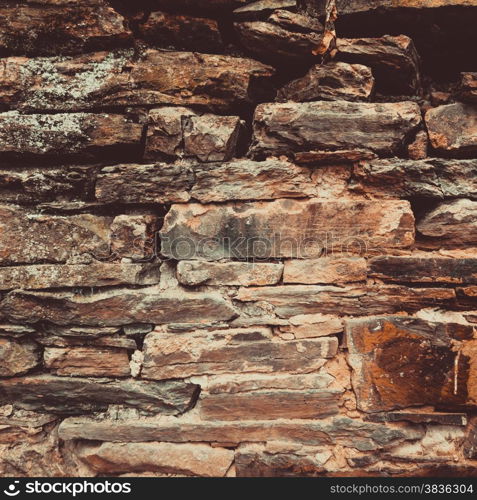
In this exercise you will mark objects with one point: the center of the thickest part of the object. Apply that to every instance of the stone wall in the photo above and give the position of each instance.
(238, 238)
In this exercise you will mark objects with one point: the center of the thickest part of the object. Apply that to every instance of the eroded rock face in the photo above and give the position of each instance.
(402, 362)
(393, 59)
(168, 458)
(468, 87)
(60, 28)
(230, 351)
(17, 357)
(106, 79)
(353, 82)
(287, 128)
(274, 229)
(76, 396)
(325, 270)
(453, 129)
(116, 307)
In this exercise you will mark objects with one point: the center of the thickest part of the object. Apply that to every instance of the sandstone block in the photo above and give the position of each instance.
(182, 32)
(453, 129)
(75, 135)
(402, 362)
(230, 351)
(451, 224)
(167, 458)
(179, 132)
(275, 229)
(134, 236)
(17, 357)
(325, 270)
(393, 59)
(60, 28)
(76, 396)
(428, 269)
(119, 78)
(194, 273)
(335, 80)
(77, 275)
(117, 307)
(285, 128)
(87, 362)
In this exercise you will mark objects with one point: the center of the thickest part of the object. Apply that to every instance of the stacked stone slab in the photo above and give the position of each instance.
(231, 245)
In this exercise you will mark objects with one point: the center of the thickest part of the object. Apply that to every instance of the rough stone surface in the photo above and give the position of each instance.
(73, 396)
(116, 307)
(453, 129)
(87, 362)
(77, 275)
(181, 133)
(450, 224)
(293, 127)
(325, 270)
(194, 273)
(17, 357)
(168, 458)
(227, 351)
(134, 237)
(52, 29)
(105, 79)
(468, 87)
(182, 32)
(337, 80)
(401, 362)
(274, 229)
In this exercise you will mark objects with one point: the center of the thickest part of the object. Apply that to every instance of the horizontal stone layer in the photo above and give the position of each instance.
(275, 229)
(292, 300)
(364, 436)
(231, 351)
(325, 270)
(428, 269)
(76, 396)
(77, 275)
(401, 362)
(121, 78)
(116, 307)
(286, 128)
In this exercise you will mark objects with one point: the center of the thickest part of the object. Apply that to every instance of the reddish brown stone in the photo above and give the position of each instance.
(468, 87)
(27, 236)
(333, 157)
(230, 351)
(275, 229)
(453, 129)
(134, 236)
(67, 134)
(285, 128)
(417, 150)
(336, 80)
(182, 32)
(450, 224)
(77, 275)
(17, 357)
(325, 270)
(60, 28)
(108, 79)
(393, 59)
(117, 307)
(400, 362)
(87, 362)
(167, 458)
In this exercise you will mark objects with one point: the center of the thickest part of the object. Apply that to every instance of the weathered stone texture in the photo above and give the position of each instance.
(87, 362)
(468, 87)
(117, 307)
(275, 229)
(17, 357)
(325, 270)
(453, 129)
(401, 362)
(292, 127)
(76, 396)
(230, 351)
(105, 79)
(337, 80)
(167, 458)
(60, 28)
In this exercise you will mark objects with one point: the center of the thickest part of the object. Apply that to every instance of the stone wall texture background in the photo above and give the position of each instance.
(238, 238)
